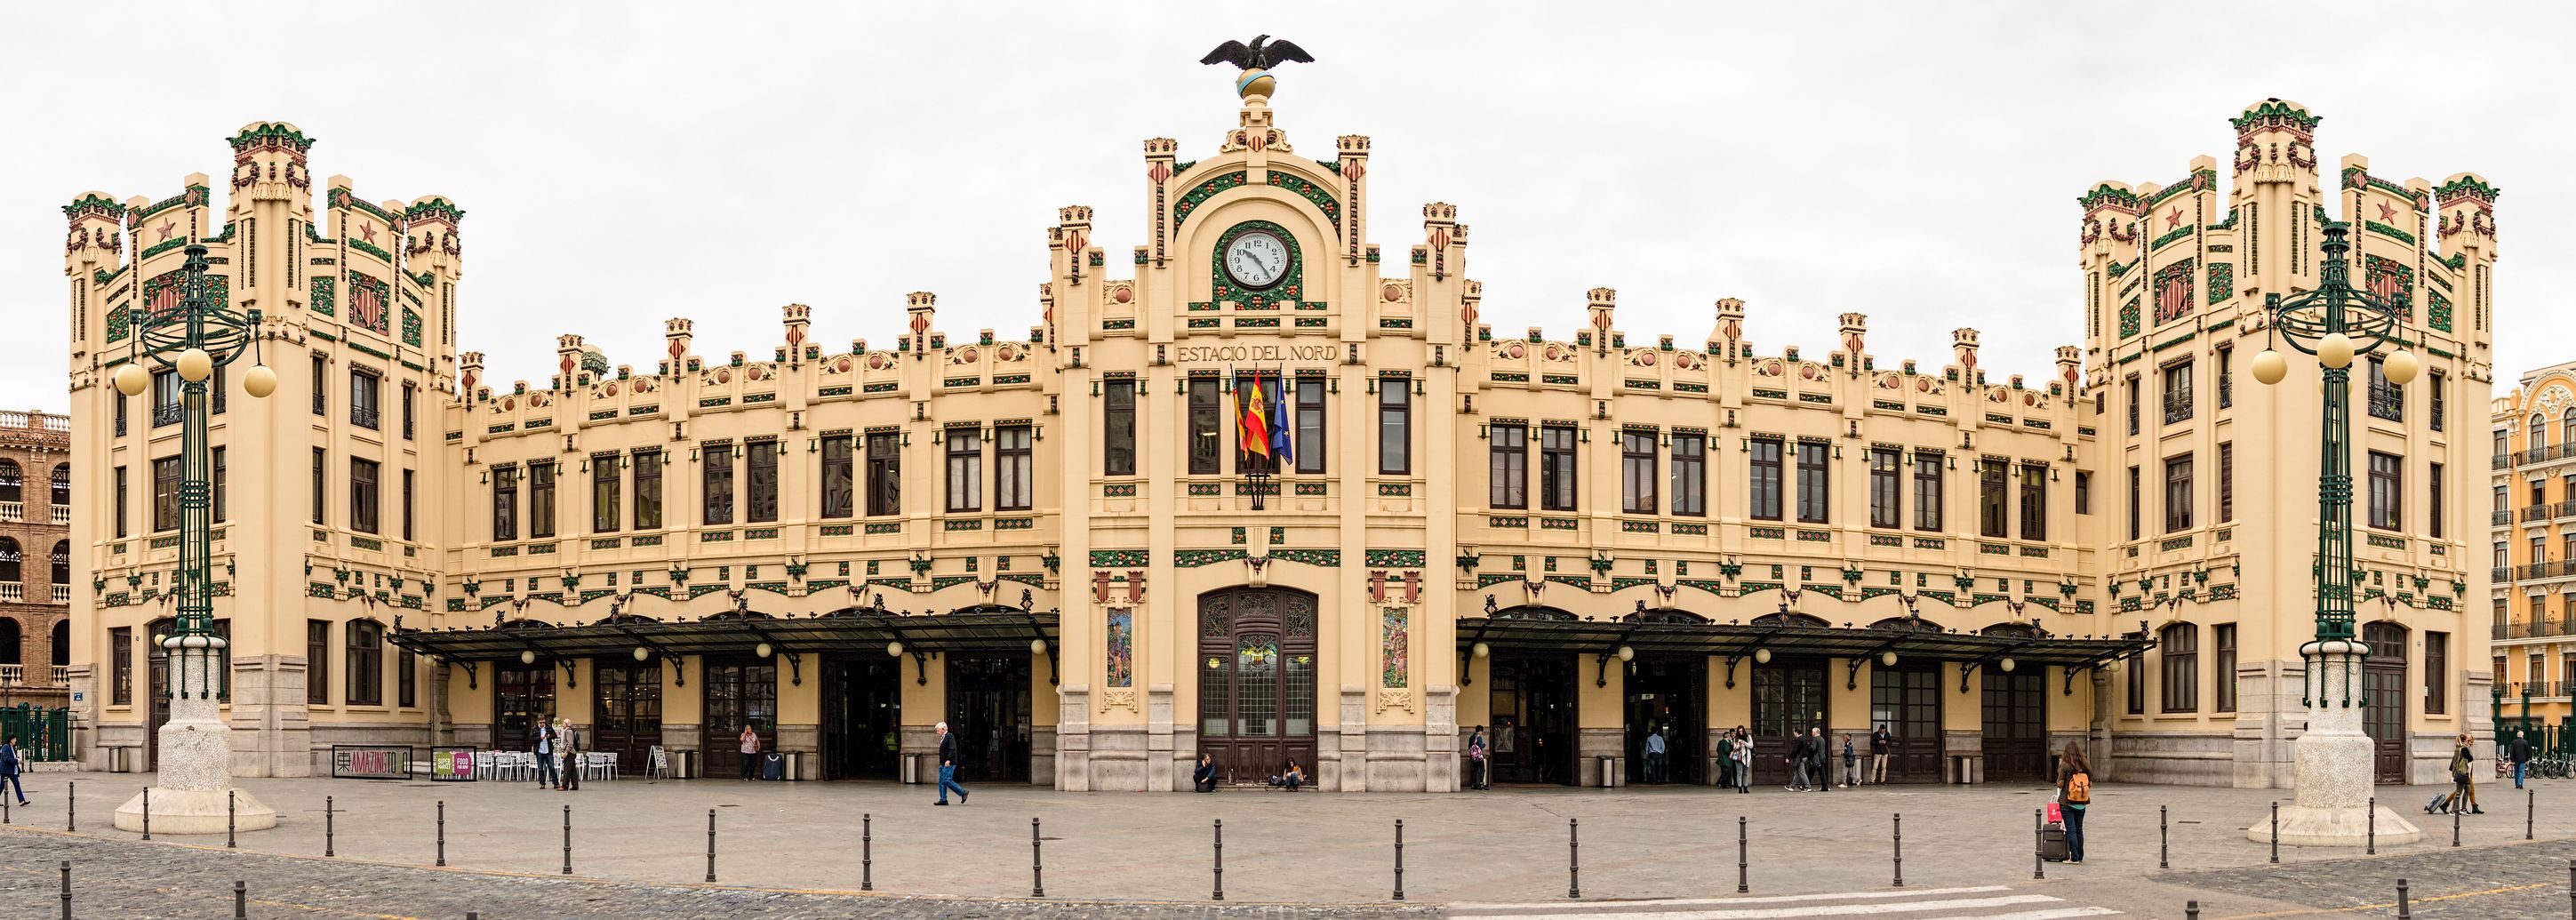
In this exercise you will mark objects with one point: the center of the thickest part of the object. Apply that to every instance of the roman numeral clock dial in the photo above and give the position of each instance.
(1256, 259)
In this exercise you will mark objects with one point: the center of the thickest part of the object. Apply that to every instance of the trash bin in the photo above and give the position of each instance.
(1609, 777)
(116, 759)
(794, 768)
(909, 768)
(684, 763)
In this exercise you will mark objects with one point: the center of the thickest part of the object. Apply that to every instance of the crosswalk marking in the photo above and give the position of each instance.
(1468, 910)
(1925, 904)
(1820, 910)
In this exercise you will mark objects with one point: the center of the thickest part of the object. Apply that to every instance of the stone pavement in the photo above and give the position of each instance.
(1506, 846)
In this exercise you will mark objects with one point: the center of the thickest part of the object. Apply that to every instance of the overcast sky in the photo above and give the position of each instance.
(624, 164)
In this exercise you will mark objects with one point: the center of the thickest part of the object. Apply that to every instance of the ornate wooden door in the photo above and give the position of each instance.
(2383, 684)
(1256, 665)
(2016, 732)
(1907, 699)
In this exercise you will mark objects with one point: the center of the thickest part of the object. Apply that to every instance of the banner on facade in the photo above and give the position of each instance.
(451, 764)
(370, 761)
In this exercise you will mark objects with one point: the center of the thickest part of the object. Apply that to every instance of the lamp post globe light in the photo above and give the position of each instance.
(193, 793)
(2331, 769)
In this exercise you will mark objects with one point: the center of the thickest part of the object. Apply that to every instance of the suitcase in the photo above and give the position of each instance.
(771, 765)
(2052, 843)
(2438, 803)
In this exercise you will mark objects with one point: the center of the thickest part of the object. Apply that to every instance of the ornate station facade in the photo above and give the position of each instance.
(1070, 543)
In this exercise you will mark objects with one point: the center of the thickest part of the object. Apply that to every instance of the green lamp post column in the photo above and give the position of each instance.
(2332, 769)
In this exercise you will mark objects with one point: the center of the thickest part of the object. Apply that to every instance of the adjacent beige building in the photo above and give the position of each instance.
(2534, 533)
(1068, 542)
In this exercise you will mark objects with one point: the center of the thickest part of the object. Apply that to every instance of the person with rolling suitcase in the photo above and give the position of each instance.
(2052, 831)
(2074, 793)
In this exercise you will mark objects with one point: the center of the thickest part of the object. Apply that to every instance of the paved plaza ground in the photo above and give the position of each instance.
(1668, 853)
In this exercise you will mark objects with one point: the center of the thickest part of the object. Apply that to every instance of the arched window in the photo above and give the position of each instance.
(62, 562)
(62, 643)
(10, 640)
(2567, 426)
(2180, 644)
(62, 484)
(2538, 433)
(10, 570)
(12, 482)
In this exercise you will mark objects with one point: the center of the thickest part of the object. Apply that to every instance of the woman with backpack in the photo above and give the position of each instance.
(2074, 793)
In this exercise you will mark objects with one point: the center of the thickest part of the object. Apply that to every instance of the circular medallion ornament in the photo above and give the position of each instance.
(1394, 293)
(1256, 259)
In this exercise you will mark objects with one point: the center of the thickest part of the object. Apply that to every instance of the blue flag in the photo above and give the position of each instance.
(1283, 448)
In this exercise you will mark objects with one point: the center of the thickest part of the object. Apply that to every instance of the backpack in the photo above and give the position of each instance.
(2079, 789)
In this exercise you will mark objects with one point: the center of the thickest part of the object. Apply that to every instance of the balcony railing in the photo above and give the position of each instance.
(363, 417)
(2532, 513)
(62, 675)
(2558, 569)
(62, 514)
(2178, 409)
(62, 594)
(2502, 574)
(2564, 509)
(13, 592)
(2387, 402)
(165, 414)
(13, 512)
(2503, 518)
(13, 675)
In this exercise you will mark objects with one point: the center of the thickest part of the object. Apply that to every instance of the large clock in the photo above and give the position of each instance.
(1256, 259)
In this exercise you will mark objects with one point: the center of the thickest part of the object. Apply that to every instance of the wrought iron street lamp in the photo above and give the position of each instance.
(2333, 757)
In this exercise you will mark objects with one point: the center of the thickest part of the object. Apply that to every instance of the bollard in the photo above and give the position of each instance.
(67, 888)
(2370, 838)
(2191, 910)
(1219, 893)
(1037, 866)
(2455, 827)
(2276, 831)
(4, 809)
(2404, 910)
(867, 854)
(326, 827)
(711, 845)
(241, 900)
(2571, 889)
(71, 805)
(2038, 843)
(1573, 858)
(147, 812)
(567, 868)
(1742, 849)
(228, 819)
(2164, 840)
(2530, 801)
(442, 832)
(1399, 859)
(1900, 849)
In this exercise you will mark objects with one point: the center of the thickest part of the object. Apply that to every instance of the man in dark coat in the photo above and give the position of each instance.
(2521, 756)
(1821, 754)
(1801, 754)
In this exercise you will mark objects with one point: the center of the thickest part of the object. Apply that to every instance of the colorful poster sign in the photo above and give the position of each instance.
(451, 765)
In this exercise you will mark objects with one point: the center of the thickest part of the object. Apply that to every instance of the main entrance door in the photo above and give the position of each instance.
(988, 711)
(1664, 695)
(1534, 715)
(2383, 684)
(1788, 698)
(628, 720)
(1257, 681)
(739, 692)
(1907, 699)
(2016, 736)
(862, 716)
(521, 695)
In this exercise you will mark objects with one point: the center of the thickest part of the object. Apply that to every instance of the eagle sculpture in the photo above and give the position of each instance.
(1261, 54)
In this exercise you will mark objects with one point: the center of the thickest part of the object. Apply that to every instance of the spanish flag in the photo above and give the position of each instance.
(1254, 437)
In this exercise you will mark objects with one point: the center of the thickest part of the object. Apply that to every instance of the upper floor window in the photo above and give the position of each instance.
(1207, 428)
(165, 398)
(541, 499)
(966, 467)
(716, 481)
(364, 390)
(2178, 392)
(321, 473)
(2439, 399)
(122, 512)
(1014, 469)
(2387, 400)
(1507, 466)
(2178, 494)
(2226, 481)
(2137, 515)
(1765, 478)
(1815, 484)
(2226, 377)
(1556, 483)
(840, 477)
(407, 392)
(165, 493)
(1927, 491)
(1992, 509)
(885, 473)
(321, 386)
(12, 482)
(2433, 505)
(2180, 646)
(607, 507)
(2133, 404)
(1118, 428)
(2083, 492)
(2034, 501)
(2387, 490)
(363, 496)
(1395, 427)
(1310, 425)
(1637, 473)
(505, 503)
(760, 482)
(1886, 472)
(62, 484)
(1690, 474)
(648, 489)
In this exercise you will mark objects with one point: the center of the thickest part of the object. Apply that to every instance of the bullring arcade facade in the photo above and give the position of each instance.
(1056, 539)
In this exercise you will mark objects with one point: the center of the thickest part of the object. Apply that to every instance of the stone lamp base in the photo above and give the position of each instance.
(196, 811)
(2332, 769)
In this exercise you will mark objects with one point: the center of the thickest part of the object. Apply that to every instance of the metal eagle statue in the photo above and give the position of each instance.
(1261, 54)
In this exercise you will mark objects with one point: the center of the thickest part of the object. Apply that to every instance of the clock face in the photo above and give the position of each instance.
(1256, 259)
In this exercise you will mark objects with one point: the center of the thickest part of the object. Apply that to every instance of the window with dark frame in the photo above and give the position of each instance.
(2133, 403)
(406, 679)
(1207, 429)
(2437, 672)
(2083, 492)
(216, 476)
(120, 653)
(1556, 482)
(165, 493)
(760, 482)
(1927, 491)
(2438, 398)
(321, 386)
(2387, 490)
(2178, 493)
(215, 391)
(365, 393)
(317, 662)
(1507, 467)
(1993, 514)
(366, 663)
(321, 472)
(166, 398)
(2226, 378)
(407, 496)
(407, 391)
(607, 488)
(1764, 479)
(2433, 504)
(966, 469)
(2226, 481)
(2137, 689)
(1395, 427)
(2034, 501)
(2222, 639)
(2180, 657)
(1815, 483)
(1118, 428)
(541, 499)
(885, 473)
(2137, 516)
(1311, 431)
(2178, 398)
(505, 503)
(1886, 487)
(364, 506)
(1014, 468)
(648, 489)
(1690, 474)
(2387, 399)
(1638, 476)
(840, 477)
(716, 482)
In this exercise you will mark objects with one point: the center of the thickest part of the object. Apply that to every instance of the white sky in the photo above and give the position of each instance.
(622, 164)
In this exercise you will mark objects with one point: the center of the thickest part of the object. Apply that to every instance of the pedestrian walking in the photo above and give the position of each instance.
(1801, 752)
(1655, 756)
(1822, 754)
(1851, 764)
(568, 747)
(1477, 763)
(1743, 761)
(9, 767)
(545, 751)
(2074, 794)
(1878, 754)
(948, 767)
(750, 753)
(2464, 789)
(2521, 756)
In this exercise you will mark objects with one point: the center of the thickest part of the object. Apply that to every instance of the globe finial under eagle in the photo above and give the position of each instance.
(1256, 59)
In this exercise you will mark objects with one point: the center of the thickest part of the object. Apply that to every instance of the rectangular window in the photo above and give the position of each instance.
(215, 390)
(1507, 467)
(406, 679)
(2178, 493)
(1690, 474)
(2137, 689)
(648, 490)
(165, 398)
(2034, 501)
(2083, 492)
(216, 456)
(1310, 426)
(1395, 427)
(2181, 674)
(317, 662)
(541, 500)
(1815, 487)
(165, 494)
(1765, 465)
(2437, 672)
(1207, 429)
(1637, 473)
(2178, 393)
(608, 482)
(2387, 498)
(2226, 377)
(407, 391)
(2433, 504)
(321, 386)
(120, 652)
(2133, 404)
(716, 481)
(1992, 512)
(2439, 399)
(885, 474)
(364, 389)
(966, 468)
(362, 495)
(124, 405)
(1556, 468)
(321, 472)
(366, 663)
(1014, 469)
(407, 505)
(1886, 487)
(1118, 428)
(2222, 639)
(1927, 491)
(2226, 481)
(2137, 515)
(760, 482)
(840, 476)
(505, 503)
(2387, 400)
